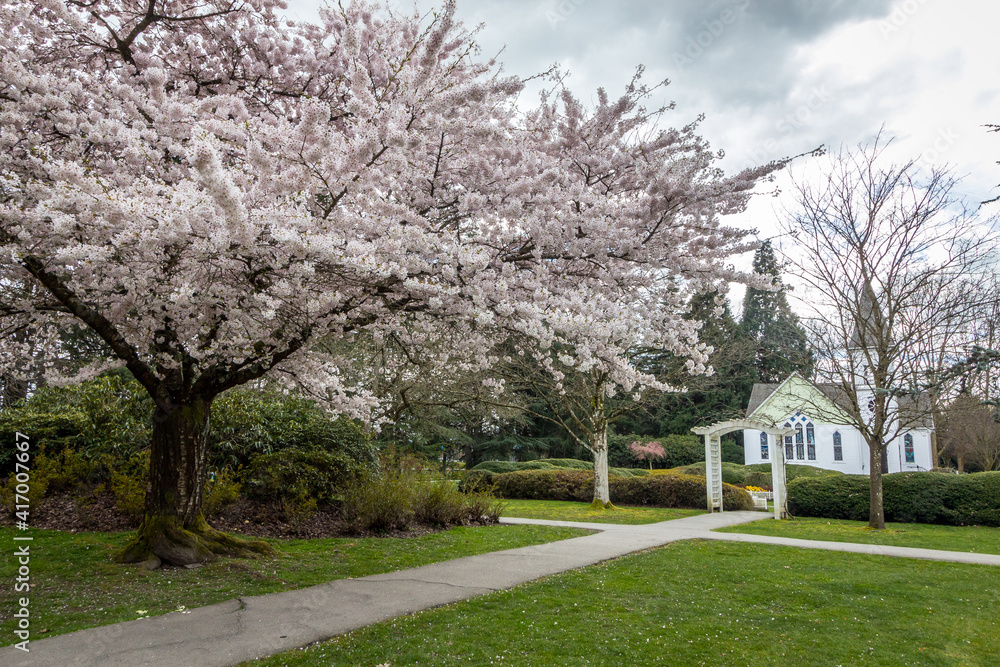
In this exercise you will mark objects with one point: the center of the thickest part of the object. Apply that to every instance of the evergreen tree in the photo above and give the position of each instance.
(780, 346)
(722, 395)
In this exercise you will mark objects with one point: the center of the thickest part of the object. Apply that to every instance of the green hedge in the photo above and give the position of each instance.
(911, 497)
(578, 485)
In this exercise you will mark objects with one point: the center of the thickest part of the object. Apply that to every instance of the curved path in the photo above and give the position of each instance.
(253, 627)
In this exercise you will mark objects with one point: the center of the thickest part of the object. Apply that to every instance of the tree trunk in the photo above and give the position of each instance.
(599, 446)
(174, 529)
(876, 512)
(961, 463)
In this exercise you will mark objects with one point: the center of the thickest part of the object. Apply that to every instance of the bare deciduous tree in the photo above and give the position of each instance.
(882, 245)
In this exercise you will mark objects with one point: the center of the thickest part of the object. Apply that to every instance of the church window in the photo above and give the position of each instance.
(800, 449)
(811, 441)
(788, 445)
(908, 448)
(763, 446)
(838, 447)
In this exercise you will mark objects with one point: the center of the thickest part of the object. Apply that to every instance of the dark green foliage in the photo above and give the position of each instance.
(250, 422)
(780, 346)
(911, 497)
(110, 415)
(108, 421)
(576, 485)
(732, 451)
(297, 474)
(723, 395)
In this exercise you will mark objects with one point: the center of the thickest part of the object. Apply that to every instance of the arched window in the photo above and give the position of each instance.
(838, 447)
(810, 441)
(788, 444)
(908, 448)
(763, 446)
(800, 447)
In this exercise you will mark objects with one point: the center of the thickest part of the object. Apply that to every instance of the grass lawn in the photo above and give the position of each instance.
(558, 510)
(703, 602)
(978, 539)
(76, 586)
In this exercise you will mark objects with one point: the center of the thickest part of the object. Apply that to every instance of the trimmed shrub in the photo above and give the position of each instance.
(910, 497)
(686, 491)
(573, 464)
(296, 475)
(732, 473)
(664, 490)
(554, 464)
(535, 465)
(496, 466)
(544, 485)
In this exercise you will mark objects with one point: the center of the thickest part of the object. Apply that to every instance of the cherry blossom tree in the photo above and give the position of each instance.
(650, 451)
(211, 191)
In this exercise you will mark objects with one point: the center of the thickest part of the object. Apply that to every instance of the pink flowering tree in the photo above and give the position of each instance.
(212, 192)
(638, 209)
(649, 451)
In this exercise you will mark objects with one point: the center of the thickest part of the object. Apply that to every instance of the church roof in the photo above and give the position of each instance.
(915, 409)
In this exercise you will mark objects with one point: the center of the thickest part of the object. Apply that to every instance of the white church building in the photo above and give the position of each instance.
(823, 435)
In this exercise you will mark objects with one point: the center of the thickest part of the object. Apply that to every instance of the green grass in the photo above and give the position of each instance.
(558, 510)
(76, 586)
(978, 539)
(703, 602)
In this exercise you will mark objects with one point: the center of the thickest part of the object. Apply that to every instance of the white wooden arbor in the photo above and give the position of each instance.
(713, 460)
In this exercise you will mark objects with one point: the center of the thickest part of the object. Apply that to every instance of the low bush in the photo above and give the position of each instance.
(911, 497)
(397, 498)
(664, 490)
(379, 503)
(296, 475)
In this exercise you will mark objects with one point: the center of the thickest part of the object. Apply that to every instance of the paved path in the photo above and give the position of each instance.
(252, 627)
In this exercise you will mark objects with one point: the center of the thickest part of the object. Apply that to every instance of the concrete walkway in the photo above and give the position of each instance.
(253, 627)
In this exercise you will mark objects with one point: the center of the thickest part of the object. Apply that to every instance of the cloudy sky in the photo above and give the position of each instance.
(776, 77)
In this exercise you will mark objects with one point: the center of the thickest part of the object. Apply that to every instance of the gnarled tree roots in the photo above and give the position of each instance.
(166, 538)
